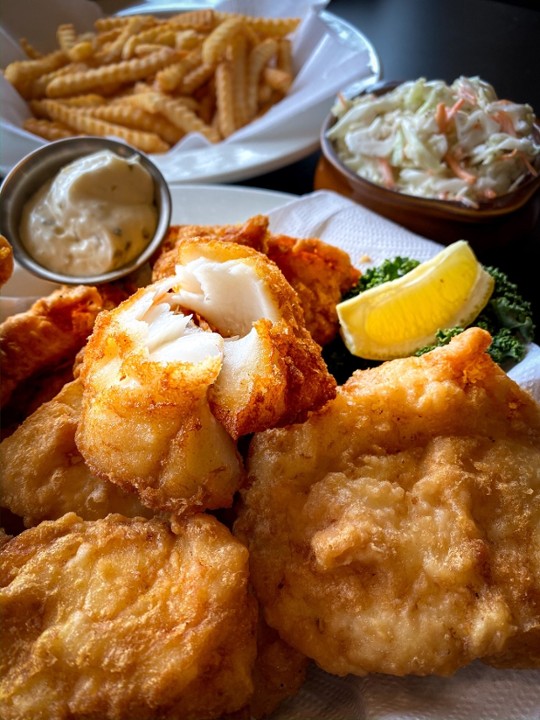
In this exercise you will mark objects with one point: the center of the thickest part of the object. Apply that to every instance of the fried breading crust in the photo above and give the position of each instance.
(279, 672)
(253, 233)
(43, 474)
(122, 619)
(49, 334)
(320, 273)
(6, 260)
(396, 531)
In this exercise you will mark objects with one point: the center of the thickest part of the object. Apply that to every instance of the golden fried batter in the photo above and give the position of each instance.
(278, 674)
(6, 260)
(320, 273)
(396, 531)
(164, 399)
(122, 619)
(49, 334)
(253, 233)
(44, 475)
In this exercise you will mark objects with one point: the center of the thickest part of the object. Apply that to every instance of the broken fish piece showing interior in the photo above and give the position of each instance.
(185, 365)
(272, 373)
(145, 421)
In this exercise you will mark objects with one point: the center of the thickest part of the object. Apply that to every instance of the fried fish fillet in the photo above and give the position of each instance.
(43, 474)
(165, 398)
(49, 334)
(279, 672)
(319, 273)
(6, 260)
(397, 530)
(123, 619)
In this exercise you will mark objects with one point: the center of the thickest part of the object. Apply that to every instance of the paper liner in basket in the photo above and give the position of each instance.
(325, 59)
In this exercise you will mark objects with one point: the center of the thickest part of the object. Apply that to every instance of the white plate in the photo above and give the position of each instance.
(272, 144)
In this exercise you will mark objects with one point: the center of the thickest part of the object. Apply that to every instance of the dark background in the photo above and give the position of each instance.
(443, 39)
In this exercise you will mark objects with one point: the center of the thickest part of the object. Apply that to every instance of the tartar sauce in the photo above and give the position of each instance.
(96, 215)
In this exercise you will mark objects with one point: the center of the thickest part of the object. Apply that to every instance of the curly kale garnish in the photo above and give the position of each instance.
(442, 337)
(385, 272)
(507, 309)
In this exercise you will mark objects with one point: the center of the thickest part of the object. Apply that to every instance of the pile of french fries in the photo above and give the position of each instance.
(150, 81)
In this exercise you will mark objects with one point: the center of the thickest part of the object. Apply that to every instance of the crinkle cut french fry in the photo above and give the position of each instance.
(207, 104)
(196, 78)
(137, 119)
(21, 73)
(225, 99)
(88, 100)
(277, 79)
(215, 45)
(188, 39)
(172, 76)
(176, 112)
(66, 36)
(38, 87)
(48, 129)
(284, 56)
(258, 58)
(160, 34)
(82, 50)
(203, 20)
(123, 72)
(264, 26)
(29, 50)
(130, 29)
(77, 119)
(115, 22)
(145, 49)
(275, 27)
(237, 54)
(148, 99)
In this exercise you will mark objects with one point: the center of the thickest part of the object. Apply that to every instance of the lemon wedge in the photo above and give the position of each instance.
(397, 318)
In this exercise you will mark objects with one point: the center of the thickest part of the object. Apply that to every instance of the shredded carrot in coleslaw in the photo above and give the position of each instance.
(430, 139)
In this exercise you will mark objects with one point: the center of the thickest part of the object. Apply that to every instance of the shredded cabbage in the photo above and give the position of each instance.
(426, 138)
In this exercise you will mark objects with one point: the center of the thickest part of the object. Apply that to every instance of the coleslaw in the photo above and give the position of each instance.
(426, 138)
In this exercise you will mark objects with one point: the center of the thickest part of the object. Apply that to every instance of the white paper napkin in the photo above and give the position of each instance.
(326, 61)
(369, 239)
(477, 692)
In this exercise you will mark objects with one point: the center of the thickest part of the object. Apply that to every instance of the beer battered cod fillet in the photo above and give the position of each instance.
(6, 260)
(319, 273)
(123, 619)
(50, 333)
(397, 530)
(164, 399)
(44, 475)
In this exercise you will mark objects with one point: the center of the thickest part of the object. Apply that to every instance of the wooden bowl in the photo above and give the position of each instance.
(494, 224)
